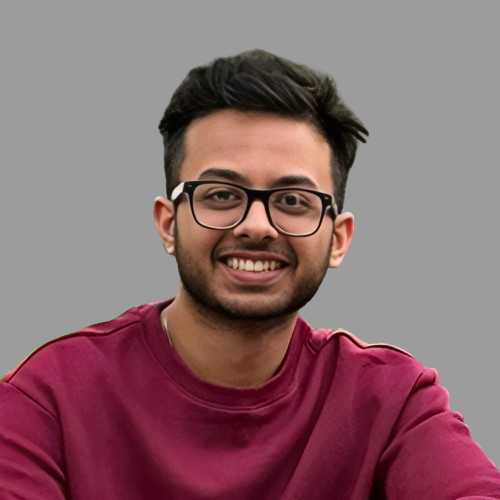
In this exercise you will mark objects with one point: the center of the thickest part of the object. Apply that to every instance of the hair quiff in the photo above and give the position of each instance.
(258, 81)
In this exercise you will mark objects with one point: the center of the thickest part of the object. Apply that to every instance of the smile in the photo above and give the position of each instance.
(255, 266)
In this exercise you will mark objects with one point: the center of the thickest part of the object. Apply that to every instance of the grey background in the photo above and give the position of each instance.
(83, 88)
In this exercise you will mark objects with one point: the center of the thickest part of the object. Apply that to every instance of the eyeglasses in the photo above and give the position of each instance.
(223, 205)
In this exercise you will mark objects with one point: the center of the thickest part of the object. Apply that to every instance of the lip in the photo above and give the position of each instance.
(253, 277)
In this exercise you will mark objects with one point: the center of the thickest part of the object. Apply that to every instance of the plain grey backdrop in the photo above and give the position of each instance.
(84, 86)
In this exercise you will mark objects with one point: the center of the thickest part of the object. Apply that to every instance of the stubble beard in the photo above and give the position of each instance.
(207, 298)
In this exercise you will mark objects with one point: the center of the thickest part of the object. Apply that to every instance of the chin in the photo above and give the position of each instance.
(251, 309)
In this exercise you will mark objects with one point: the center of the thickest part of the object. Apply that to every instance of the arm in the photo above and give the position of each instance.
(30, 448)
(431, 453)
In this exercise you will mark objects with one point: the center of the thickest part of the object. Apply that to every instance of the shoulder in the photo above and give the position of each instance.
(350, 345)
(74, 360)
(368, 367)
(82, 341)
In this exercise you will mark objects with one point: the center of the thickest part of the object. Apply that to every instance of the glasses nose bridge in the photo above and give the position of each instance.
(263, 196)
(257, 194)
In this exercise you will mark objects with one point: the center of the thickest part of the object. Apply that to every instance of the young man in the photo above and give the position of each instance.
(225, 392)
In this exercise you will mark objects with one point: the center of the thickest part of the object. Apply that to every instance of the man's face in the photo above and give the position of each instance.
(261, 152)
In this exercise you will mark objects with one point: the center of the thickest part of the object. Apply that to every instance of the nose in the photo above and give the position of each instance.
(256, 225)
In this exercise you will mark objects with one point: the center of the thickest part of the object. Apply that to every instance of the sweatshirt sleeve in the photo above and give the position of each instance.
(431, 453)
(30, 448)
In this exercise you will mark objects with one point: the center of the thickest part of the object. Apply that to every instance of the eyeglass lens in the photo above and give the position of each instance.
(292, 210)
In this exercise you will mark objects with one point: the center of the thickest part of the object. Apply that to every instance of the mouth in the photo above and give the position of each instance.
(253, 266)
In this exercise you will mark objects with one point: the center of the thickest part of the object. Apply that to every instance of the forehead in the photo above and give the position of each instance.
(259, 147)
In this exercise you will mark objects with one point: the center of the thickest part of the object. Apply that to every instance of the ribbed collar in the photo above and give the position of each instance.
(276, 388)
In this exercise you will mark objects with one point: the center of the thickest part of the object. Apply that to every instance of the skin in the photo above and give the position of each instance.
(238, 333)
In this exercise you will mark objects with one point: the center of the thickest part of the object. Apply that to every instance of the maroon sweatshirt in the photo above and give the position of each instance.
(111, 412)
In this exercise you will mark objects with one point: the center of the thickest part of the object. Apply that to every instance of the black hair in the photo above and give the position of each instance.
(258, 81)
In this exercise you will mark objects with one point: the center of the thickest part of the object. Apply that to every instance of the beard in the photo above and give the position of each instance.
(208, 298)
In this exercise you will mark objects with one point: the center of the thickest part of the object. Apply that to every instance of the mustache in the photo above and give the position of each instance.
(287, 253)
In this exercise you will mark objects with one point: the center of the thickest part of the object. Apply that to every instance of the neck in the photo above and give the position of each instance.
(225, 351)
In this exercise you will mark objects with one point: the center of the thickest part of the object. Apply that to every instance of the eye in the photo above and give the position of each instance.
(222, 195)
(217, 197)
(292, 200)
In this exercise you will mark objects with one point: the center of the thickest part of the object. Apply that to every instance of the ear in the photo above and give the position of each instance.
(165, 220)
(342, 236)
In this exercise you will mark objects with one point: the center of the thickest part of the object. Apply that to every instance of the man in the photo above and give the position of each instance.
(225, 392)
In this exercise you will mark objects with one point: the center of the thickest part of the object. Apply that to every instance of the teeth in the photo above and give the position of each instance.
(253, 266)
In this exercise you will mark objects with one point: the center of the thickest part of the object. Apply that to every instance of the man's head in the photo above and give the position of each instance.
(263, 124)
(257, 81)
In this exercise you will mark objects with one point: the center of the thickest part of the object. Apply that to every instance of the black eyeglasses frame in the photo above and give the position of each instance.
(188, 188)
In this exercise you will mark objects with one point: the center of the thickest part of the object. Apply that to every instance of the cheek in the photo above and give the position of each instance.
(194, 239)
(316, 247)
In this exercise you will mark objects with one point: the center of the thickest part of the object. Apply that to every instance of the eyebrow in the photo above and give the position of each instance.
(223, 173)
(231, 175)
(293, 180)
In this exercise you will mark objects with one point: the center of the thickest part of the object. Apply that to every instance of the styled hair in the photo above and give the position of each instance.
(258, 81)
